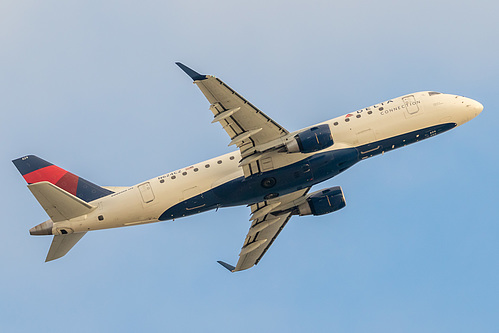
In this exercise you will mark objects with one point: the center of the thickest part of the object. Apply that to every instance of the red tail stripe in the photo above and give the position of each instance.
(51, 173)
(68, 182)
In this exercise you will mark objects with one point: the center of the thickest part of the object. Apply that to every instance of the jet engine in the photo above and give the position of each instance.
(310, 140)
(323, 202)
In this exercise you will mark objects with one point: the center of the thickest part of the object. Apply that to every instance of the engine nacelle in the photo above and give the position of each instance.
(323, 202)
(310, 140)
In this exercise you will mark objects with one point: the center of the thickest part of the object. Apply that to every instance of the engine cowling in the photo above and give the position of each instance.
(310, 140)
(323, 202)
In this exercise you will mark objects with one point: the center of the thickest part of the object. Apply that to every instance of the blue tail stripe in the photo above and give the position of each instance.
(89, 191)
(30, 163)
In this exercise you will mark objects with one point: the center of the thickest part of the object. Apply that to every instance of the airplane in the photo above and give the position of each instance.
(272, 172)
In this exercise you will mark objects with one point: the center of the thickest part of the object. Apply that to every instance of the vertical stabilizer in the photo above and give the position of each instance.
(34, 170)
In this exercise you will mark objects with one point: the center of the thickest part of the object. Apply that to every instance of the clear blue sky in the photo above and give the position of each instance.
(92, 86)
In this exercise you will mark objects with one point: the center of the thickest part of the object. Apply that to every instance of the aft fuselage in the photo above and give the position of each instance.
(219, 182)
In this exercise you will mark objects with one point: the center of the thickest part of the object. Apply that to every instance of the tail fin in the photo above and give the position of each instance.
(34, 170)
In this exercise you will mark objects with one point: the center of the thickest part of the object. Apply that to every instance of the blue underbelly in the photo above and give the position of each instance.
(270, 184)
(296, 176)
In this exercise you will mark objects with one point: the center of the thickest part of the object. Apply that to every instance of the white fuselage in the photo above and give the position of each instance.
(371, 131)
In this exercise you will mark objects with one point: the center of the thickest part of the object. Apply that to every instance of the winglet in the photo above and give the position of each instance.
(226, 265)
(192, 73)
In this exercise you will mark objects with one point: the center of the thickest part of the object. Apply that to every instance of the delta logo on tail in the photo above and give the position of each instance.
(34, 170)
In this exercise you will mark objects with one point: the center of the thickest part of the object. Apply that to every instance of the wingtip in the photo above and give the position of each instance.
(189, 71)
(227, 266)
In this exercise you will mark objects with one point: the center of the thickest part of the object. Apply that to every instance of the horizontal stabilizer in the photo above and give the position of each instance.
(226, 265)
(59, 204)
(61, 244)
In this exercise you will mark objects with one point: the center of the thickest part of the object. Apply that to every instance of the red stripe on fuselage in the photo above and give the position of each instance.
(55, 175)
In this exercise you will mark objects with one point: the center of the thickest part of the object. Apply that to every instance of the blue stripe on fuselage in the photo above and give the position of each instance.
(382, 146)
(296, 176)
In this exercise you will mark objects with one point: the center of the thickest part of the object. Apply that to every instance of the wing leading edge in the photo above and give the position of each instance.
(248, 128)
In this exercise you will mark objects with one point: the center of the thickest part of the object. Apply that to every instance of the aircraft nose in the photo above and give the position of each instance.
(474, 107)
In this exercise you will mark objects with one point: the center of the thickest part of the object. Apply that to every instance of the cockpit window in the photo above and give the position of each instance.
(431, 93)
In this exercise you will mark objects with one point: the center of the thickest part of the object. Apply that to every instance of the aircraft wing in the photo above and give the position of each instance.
(248, 127)
(268, 218)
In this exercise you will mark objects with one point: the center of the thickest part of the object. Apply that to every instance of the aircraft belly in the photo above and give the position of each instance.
(307, 172)
(260, 187)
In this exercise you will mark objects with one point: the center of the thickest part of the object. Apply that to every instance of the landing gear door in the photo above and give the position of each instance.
(146, 192)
